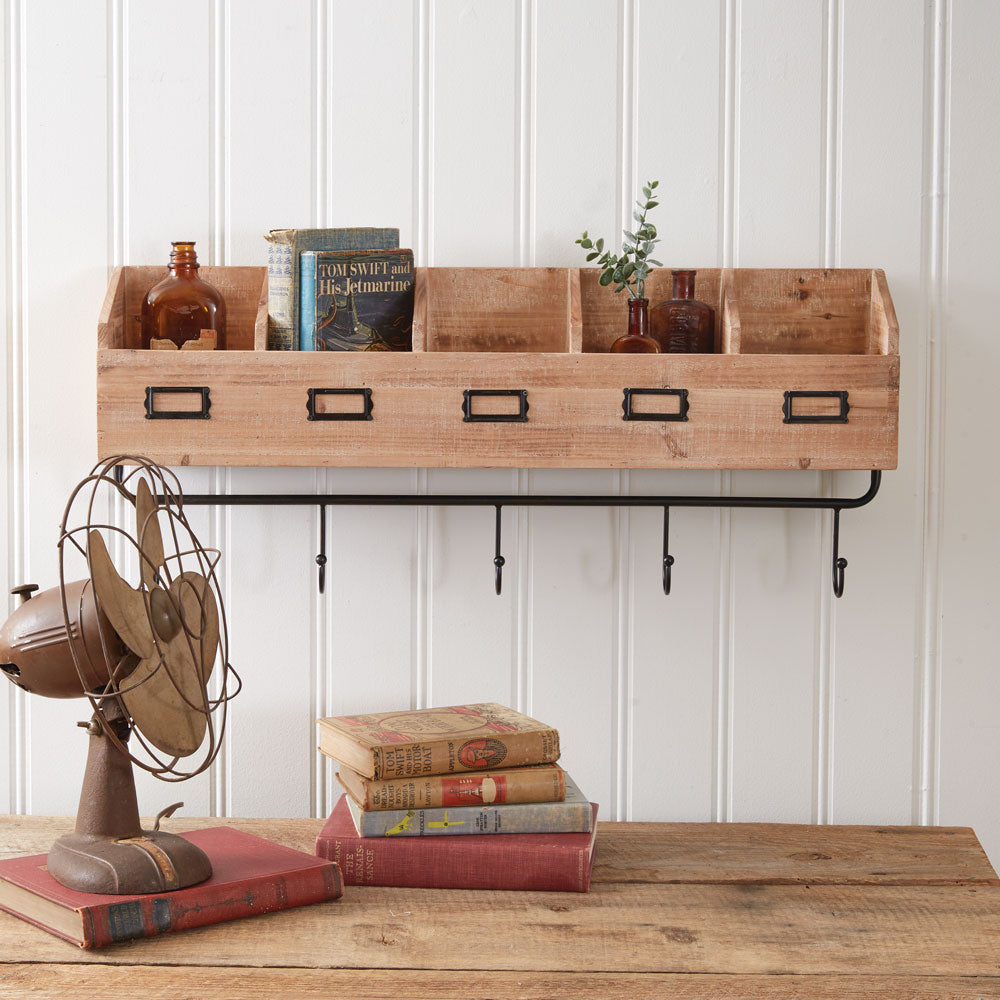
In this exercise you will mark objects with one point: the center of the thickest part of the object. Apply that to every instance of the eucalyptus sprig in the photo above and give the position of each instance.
(630, 269)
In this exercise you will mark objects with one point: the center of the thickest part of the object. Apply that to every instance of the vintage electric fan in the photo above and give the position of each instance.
(143, 656)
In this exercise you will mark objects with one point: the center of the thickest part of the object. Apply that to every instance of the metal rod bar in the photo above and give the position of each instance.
(321, 558)
(527, 500)
(668, 559)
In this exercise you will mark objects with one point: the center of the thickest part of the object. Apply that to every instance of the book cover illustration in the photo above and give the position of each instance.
(362, 300)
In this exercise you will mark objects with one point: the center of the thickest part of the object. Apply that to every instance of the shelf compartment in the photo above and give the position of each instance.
(541, 394)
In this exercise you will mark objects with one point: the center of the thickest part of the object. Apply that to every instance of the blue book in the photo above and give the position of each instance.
(307, 302)
(356, 300)
(573, 815)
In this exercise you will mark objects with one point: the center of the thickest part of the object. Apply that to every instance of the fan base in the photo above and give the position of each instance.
(152, 862)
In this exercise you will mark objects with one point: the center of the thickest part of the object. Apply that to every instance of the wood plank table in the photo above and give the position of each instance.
(684, 909)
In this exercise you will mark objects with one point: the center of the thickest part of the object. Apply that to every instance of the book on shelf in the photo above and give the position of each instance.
(540, 783)
(356, 300)
(557, 862)
(572, 815)
(482, 737)
(284, 248)
(250, 875)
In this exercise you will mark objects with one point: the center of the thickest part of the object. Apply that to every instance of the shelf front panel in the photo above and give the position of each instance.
(574, 419)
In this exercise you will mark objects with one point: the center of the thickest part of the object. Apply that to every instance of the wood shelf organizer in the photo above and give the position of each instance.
(510, 369)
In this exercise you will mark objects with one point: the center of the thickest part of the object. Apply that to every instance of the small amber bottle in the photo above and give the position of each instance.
(182, 310)
(637, 340)
(682, 324)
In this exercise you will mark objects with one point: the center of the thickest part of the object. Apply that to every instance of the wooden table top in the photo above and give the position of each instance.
(755, 911)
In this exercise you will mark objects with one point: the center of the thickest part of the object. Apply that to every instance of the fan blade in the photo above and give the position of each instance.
(148, 530)
(169, 704)
(200, 615)
(125, 607)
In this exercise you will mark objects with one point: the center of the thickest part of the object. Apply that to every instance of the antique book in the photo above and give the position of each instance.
(250, 875)
(356, 300)
(542, 783)
(557, 862)
(572, 815)
(284, 247)
(437, 741)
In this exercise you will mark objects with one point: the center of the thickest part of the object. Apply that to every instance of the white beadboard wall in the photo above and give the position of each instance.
(784, 133)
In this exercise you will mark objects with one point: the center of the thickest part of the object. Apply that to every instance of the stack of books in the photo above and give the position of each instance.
(467, 797)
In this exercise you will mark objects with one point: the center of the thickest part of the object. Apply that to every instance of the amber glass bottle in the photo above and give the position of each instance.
(637, 340)
(183, 309)
(682, 324)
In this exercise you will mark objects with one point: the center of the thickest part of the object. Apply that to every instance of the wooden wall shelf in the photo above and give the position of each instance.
(494, 345)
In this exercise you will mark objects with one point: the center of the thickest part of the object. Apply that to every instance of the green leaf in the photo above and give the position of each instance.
(620, 287)
(600, 243)
(629, 236)
(628, 270)
(605, 278)
(652, 204)
(658, 263)
(647, 191)
(637, 216)
(652, 230)
(591, 256)
(586, 244)
(653, 184)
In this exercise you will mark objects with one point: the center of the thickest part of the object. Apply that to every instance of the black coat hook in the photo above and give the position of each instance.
(498, 560)
(839, 562)
(668, 559)
(321, 558)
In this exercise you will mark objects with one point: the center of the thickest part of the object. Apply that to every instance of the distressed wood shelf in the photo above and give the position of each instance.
(688, 910)
(509, 369)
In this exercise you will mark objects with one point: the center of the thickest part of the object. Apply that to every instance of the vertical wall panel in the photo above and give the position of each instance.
(873, 623)
(371, 64)
(11, 504)
(474, 112)
(776, 554)
(970, 543)
(269, 558)
(64, 54)
(575, 584)
(672, 638)
(369, 624)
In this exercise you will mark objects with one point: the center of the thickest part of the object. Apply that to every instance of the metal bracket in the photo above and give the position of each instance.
(680, 414)
(519, 418)
(815, 418)
(365, 413)
(152, 413)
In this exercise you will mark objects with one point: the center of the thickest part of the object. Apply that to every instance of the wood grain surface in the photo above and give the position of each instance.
(748, 910)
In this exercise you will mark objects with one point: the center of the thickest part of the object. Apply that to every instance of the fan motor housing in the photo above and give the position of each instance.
(36, 651)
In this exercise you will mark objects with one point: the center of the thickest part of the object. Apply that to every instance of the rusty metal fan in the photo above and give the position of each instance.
(144, 656)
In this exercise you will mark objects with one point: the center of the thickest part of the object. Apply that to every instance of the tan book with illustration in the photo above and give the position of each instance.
(484, 737)
(542, 783)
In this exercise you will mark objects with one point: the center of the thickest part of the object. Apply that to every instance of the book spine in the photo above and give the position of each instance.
(307, 301)
(406, 760)
(530, 785)
(280, 283)
(108, 923)
(551, 817)
(428, 863)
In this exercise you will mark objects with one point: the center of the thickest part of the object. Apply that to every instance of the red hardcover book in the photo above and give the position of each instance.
(250, 875)
(557, 862)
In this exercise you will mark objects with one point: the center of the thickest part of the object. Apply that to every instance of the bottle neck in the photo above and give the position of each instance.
(683, 284)
(183, 259)
(638, 317)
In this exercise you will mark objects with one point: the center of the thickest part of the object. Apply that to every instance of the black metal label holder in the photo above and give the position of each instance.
(365, 413)
(152, 413)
